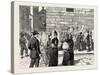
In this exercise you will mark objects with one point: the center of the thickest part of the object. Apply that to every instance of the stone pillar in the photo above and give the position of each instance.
(31, 16)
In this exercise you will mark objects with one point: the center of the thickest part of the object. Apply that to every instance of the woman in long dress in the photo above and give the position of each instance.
(68, 58)
(54, 51)
(71, 51)
(66, 55)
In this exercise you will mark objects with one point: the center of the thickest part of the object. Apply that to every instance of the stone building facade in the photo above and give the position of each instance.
(24, 19)
(56, 18)
(63, 19)
(28, 15)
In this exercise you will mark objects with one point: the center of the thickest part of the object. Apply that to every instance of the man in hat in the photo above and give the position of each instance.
(34, 50)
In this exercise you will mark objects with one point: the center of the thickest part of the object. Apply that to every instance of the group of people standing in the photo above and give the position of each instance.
(84, 42)
(51, 50)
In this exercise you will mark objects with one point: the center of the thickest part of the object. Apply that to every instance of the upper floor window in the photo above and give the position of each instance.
(70, 9)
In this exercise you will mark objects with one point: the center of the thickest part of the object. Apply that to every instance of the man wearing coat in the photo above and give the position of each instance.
(34, 50)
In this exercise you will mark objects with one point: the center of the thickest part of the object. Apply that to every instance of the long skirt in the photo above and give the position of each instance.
(71, 58)
(53, 57)
(66, 58)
